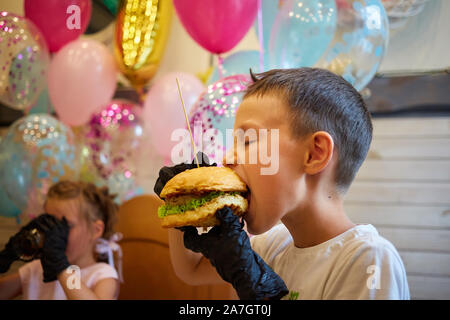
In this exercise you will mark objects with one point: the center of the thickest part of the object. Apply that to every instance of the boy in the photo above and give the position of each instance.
(325, 132)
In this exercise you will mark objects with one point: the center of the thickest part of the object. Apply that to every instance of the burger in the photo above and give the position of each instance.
(192, 197)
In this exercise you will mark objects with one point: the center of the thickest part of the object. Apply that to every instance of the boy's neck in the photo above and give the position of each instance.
(319, 220)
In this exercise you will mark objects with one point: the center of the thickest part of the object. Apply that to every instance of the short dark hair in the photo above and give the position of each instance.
(322, 101)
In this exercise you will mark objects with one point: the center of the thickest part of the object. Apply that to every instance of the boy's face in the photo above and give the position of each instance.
(273, 195)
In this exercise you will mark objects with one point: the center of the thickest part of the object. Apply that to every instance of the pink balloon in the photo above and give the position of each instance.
(163, 112)
(217, 25)
(81, 79)
(60, 21)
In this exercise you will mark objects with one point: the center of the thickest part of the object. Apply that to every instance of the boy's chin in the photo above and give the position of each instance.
(252, 227)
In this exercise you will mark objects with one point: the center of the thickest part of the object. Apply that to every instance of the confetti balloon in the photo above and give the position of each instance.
(24, 59)
(142, 29)
(40, 150)
(215, 112)
(7, 207)
(359, 43)
(112, 141)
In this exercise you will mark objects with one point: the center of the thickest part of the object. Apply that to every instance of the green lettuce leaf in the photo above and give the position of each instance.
(169, 209)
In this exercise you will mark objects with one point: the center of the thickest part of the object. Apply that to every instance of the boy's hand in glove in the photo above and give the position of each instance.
(54, 259)
(228, 248)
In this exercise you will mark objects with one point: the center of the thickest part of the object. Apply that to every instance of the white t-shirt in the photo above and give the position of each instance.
(34, 287)
(357, 264)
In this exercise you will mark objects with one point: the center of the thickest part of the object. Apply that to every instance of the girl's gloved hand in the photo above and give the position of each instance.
(12, 250)
(228, 248)
(53, 258)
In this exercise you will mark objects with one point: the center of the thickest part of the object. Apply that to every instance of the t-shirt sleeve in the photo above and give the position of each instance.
(372, 270)
(102, 271)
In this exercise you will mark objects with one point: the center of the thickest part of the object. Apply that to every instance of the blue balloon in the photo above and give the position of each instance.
(302, 31)
(237, 63)
(360, 41)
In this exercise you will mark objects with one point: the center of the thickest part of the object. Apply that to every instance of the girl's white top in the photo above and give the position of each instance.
(34, 288)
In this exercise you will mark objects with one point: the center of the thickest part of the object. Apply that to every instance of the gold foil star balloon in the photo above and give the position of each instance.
(141, 33)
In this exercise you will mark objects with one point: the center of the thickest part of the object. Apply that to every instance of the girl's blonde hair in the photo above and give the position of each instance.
(95, 203)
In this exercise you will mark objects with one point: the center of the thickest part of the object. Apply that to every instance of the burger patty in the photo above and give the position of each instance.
(186, 202)
(205, 215)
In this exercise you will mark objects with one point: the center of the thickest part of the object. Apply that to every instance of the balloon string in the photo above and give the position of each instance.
(187, 122)
(260, 36)
(220, 66)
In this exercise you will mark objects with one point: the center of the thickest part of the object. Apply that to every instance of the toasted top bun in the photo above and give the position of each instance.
(203, 179)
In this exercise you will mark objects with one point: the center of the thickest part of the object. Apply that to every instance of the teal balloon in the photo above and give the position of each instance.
(302, 31)
(359, 43)
(237, 63)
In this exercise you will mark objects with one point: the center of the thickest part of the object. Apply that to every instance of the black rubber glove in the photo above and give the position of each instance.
(53, 258)
(9, 254)
(228, 248)
(167, 173)
(12, 250)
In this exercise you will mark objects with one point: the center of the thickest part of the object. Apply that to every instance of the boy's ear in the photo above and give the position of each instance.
(319, 151)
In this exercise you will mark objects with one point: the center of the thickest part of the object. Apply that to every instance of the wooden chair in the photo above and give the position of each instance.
(147, 269)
